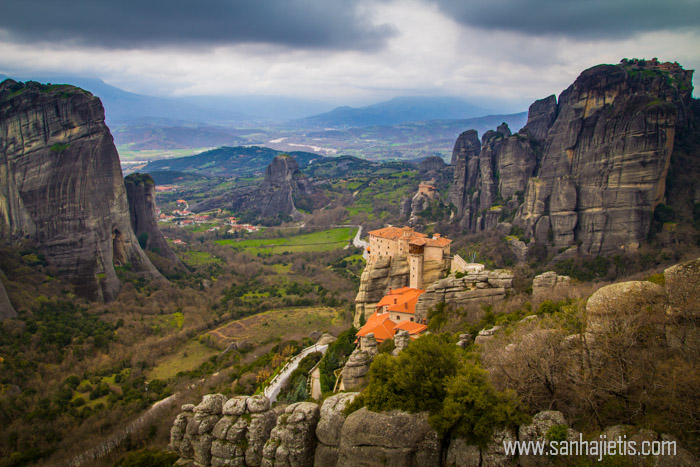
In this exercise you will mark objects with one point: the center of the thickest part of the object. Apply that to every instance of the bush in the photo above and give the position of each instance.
(431, 375)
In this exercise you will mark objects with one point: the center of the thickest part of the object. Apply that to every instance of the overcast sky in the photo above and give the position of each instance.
(343, 51)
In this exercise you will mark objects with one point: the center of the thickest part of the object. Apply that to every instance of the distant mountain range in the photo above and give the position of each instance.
(398, 110)
(240, 161)
(127, 107)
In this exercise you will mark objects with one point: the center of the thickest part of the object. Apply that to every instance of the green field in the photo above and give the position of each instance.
(198, 258)
(325, 240)
(188, 357)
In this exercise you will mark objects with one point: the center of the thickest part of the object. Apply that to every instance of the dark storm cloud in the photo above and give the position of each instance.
(581, 19)
(331, 24)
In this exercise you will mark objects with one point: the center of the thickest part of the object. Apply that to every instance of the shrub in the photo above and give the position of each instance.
(431, 375)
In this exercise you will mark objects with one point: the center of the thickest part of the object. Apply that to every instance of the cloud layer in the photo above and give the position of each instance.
(351, 52)
(130, 24)
(585, 19)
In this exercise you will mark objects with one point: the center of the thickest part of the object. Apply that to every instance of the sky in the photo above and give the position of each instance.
(348, 52)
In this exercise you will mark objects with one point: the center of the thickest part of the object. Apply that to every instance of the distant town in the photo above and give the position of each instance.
(183, 217)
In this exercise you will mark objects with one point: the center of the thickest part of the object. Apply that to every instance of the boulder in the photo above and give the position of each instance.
(293, 440)
(257, 404)
(548, 281)
(486, 334)
(393, 438)
(462, 454)
(211, 404)
(625, 300)
(401, 341)
(683, 288)
(235, 406)
(329, 428)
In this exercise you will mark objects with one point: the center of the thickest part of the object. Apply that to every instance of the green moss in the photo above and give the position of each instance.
(59, 147)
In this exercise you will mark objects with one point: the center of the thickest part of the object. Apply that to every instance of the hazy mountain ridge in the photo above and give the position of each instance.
(398, 110)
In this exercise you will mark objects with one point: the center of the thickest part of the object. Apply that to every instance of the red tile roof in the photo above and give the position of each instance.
(380, 325)
(401, 300)
(394, 233)
(412, 327)
(416, 238)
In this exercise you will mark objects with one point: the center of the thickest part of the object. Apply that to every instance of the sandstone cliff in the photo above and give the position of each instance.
(141, 193)
(389, 273)
(474, 287)
(283, 183)
(61, 185)
(586, 170)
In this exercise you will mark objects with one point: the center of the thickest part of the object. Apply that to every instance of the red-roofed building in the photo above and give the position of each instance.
(395, 311)
(400, 304)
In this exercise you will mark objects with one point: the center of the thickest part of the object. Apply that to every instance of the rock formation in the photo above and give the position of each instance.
(547, 282)
(283, 183)
(586, 171)
(61, 185)
(293, 440)
(474, 287)
(329, 427)
(389, 273)
(355, 373)
(246, 432)
(6, 308)
(398, 437)
(141, 193)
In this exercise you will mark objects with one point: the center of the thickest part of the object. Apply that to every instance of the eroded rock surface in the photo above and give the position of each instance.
(141, 193)
(587, 170)
(394, 438)
(61, 185)
(474, 287)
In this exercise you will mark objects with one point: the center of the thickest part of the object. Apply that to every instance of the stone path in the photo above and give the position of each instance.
(273, 390)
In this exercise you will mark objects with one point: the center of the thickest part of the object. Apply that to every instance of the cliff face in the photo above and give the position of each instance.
(283, 183)
(6, 308)
(389, 273)
(141, 193)
(586, 171)
(62, 185)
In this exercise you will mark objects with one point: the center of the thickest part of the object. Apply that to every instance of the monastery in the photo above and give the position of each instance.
(400, 241)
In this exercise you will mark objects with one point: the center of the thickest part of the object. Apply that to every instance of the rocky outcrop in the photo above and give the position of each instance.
(465, 159)
(376, 280)
(6, 308)
(390, 273)
(355, 373)
(293, 440)
(61, 185)
(235, 433)
(394, 438)
(283, 183)
(401, 341)
(682, 284)
(473, 287)
(221, 432)
(329, 428)
(586, 171)
(625, 299)
(141, 193)
(547, 282)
